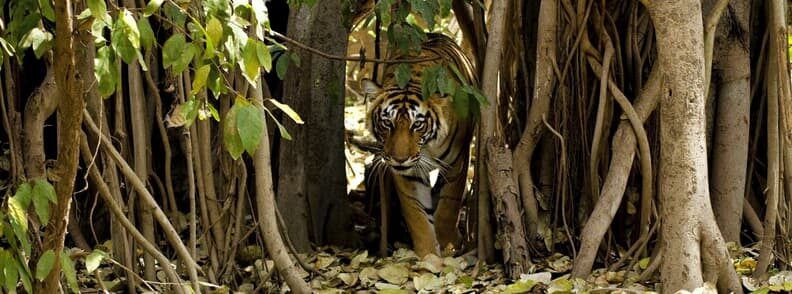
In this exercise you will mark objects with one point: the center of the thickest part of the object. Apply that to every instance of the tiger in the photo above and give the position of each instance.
(418, 135)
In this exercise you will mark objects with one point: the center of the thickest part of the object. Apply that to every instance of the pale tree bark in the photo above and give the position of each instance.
(544, 84)
(265, 206)
(503, 190)
(140, 121)
(613, 188)
(777, 95)
(730, 145)
(70, 87)
(686, 212)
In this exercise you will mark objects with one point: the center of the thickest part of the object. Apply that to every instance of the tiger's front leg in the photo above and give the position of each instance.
(416, 204)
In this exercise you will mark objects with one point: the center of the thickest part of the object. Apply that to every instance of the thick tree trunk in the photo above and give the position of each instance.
(311, 179)
(730, 148)
(686, 212)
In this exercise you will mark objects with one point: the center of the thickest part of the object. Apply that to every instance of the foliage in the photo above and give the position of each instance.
(406, 23)
(17, 252)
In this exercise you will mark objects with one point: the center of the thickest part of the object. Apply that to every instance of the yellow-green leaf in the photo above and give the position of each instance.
(214, 31)
(287, 110)
(152, 7)
(249, 63)
(199, 81)
(231, 138)
(264, 56)
(93, 260)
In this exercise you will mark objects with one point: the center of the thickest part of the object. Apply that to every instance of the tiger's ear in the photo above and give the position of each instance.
(370, 88)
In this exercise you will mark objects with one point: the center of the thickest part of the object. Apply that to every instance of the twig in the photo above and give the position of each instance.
(360, 59)
(562, 172)
(138, 186)
(118, 213)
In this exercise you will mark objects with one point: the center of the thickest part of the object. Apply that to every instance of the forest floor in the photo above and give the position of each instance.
(333, 270)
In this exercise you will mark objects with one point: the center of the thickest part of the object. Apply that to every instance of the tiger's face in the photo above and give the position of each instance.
(405, 124)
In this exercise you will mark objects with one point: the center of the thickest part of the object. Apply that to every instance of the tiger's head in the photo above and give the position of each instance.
(405, 125)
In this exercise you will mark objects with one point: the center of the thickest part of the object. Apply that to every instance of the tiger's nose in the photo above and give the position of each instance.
(400, 158)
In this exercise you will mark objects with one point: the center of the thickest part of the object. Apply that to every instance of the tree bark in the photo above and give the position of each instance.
(503, 195)
(70, 87)
(686, 212)
(624, 148)
(265, 205)
(311, 185)
(777, 83)
(544, 84)
(730, 147)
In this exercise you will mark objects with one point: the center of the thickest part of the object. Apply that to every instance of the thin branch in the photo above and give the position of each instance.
(118, 213)
(170, 232)
(360, 59)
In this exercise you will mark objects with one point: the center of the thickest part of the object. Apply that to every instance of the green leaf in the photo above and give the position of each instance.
(98, 8)
(199, 81)
(147, 37)
(177, 53)
(218, 8)
(287, 110)
(10, 271)
(477, 94)
(152, 7)
(402, 74)
(250, 124)
(46, 9)
(24, 274)
(264, 56)
(214, 31)
(429, 81)
(426, 9)
(295, 58)
(93, 260)
(172, 49)
(106, 71)
(231, 138)
(67, 265)
(189, 111)
(44, 265)
(213, 111)
(283, 132)
(445, 85)
(39, 40)
(23, 195)
(215, 83)
(461, 102)
(45, 189)
(43, 195)
(282, 65)
(126, 37)
(249, 63)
